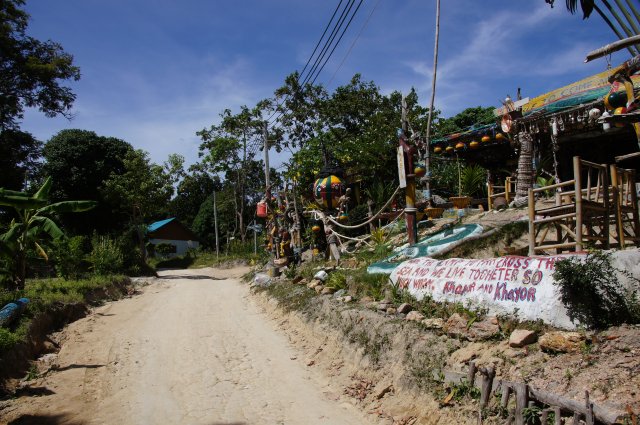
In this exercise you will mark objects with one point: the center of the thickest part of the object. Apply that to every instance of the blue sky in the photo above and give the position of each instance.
(155, 72)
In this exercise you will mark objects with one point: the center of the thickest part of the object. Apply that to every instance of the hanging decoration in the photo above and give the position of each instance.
(327, 190)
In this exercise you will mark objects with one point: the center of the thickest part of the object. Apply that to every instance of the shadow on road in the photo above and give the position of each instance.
(80, 366)
(44, 420)
(190, 276)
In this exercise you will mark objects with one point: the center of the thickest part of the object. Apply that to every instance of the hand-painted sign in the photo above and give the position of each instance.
(583, 91)
(512, 284)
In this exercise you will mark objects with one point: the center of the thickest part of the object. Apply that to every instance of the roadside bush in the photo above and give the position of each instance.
(69, 257)
(165, 249)
(592, 293)
(106, 257)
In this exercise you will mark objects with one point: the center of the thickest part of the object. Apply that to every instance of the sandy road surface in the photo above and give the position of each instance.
(191, 349)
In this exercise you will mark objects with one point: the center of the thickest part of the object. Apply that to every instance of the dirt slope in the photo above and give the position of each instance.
(193, 348)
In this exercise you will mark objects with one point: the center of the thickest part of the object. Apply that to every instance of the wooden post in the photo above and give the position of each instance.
(532, 217)
(490, 195)
(578, 196)
(589, 419)
(557, 412)
(507, 189)
(506, 392)
(471, 375)
(605, 194)
(617, 205)
(487, 384)
(522, 401)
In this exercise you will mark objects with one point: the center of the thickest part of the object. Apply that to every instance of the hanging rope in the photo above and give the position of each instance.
(364, 239)
(375, 216)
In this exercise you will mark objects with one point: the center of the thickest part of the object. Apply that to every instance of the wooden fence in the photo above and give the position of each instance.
(565, 410)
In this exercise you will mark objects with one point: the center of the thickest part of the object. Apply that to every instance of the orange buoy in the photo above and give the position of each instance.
(449, 149)
(437, 149)
(500, 136)
(486, 139)
(460, 146)
(474, 145)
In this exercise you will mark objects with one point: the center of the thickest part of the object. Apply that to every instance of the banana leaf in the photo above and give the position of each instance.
(21, 202)
(11, 236)
(13, 193)
(68, 206)
(46, 225)
(43, 192)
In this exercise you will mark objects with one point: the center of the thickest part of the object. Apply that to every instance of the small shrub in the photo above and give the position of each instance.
(106, 257)
(337, 280)
(69, 257)
(165, 249)
(592, 294)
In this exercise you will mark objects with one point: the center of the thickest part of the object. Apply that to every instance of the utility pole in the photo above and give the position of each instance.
(410, 190)
(215, 223)
(433, 96)
(265, 133)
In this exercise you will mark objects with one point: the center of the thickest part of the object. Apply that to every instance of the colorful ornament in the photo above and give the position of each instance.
(474, 144)
(500, 137)
(343, 217)
(449, 149)
(615, 100)
(619, 111)
(437, 149)
(326, 191)
(486, 139)
(315, 228)
(420, 170)
(459, 146)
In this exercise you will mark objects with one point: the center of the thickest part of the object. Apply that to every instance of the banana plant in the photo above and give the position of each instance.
(31, 225)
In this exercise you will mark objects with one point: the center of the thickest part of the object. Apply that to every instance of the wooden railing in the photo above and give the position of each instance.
(527, 397)
(507, 192)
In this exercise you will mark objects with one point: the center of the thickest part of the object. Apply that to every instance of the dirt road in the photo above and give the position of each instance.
(193, 348)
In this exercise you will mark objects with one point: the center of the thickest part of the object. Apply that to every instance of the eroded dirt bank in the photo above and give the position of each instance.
(193, 348)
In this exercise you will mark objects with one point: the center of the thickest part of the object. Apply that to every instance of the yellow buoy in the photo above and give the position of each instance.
(474, 145)
(486, 139)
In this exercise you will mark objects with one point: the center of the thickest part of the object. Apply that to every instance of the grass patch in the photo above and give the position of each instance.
(43, 295)
(199, 259)
(290, 298)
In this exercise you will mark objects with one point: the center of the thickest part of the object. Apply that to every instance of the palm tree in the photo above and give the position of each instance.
(628, 26)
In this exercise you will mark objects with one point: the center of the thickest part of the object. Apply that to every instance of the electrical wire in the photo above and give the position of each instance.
(354, 42)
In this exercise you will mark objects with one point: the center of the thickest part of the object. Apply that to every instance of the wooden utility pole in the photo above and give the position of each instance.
(265, 134)
(433, 96)
(410, 190)
(215, 223)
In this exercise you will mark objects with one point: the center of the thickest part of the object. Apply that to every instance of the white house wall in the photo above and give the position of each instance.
(181, 246)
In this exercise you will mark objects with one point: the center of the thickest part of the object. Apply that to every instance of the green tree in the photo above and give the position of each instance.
(20, 155)
(191, 192)
(80, 162)
(33, 222)
(31, 71)
(464, 120)
(229, 148)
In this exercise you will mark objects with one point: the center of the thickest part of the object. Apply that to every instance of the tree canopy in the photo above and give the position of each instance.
(31, 71)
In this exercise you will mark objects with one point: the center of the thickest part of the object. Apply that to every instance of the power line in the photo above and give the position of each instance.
(311, 56)
(354, 42)
(329, 42)
(338, 42)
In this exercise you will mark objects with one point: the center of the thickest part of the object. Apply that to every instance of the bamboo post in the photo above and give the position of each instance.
(522, 401)
(578, 195)
(605, 196)
(532, 217)
(490, 195)
(507, 189)
(634, 204)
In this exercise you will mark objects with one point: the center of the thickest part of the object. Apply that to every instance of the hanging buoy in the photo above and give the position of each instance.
(486, 139)
(437, 149)
(500, 136)
(343, 217)
(615, 100)
(261, 209)
(326, 191)
(449, 149)
(419, 171)
(474, 144)
(460, 146)
(315, 228)
(619, 111)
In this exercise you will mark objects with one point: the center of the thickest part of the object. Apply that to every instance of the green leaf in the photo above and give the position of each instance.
(8, 192)
(67, 206)
(45, 225)
(43, 193)
(21, 202)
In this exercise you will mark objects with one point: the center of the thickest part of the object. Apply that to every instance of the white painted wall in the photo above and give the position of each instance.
(181, 246)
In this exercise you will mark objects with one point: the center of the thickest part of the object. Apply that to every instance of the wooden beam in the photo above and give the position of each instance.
(612, 47)
(627, 156)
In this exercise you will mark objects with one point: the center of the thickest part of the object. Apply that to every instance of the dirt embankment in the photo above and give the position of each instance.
(390, 366)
